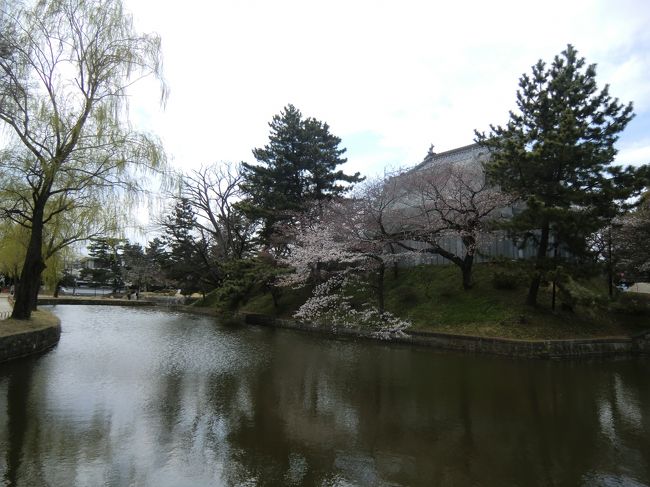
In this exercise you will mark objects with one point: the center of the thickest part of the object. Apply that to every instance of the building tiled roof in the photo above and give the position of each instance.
(466, 154)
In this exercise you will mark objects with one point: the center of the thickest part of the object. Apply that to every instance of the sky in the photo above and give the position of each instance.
(390, 78)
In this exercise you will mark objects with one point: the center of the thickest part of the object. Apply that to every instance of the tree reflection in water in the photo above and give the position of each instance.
(144, 397)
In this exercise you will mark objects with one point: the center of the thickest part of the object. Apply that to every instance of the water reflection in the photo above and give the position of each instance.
(142, 397)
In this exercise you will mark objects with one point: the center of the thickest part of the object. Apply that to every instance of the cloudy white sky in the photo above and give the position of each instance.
(390, 77)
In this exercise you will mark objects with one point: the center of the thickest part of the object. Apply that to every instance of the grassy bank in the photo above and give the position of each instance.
(432, 298)
(39, 321)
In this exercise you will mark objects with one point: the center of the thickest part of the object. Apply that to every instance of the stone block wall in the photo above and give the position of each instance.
(497, 346)
(29, 343)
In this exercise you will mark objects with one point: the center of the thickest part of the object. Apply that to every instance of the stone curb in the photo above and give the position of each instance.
(555, 349)
(95, 301)
(28, 343)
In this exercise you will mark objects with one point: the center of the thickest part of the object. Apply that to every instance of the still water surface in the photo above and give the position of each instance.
(150, 398)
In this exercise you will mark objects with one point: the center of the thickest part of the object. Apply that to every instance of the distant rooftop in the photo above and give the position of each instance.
(466, 154)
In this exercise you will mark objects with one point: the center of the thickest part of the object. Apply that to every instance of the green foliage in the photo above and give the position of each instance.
(508, 279)
(573, 293)
(69, 154)
(406, 296)
(296, 168)
(107, 260)
(432, 298)
(556, 152)
(189, 263)
(68, 280)
(633, 304)
(242, 279)
(13, 245)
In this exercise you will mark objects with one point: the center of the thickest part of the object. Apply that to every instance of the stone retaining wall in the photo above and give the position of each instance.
(642, 342)
(95, 301)
(639, 344)
(29, 343)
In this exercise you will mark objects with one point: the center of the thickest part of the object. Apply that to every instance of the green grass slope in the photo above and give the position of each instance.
(432, 298)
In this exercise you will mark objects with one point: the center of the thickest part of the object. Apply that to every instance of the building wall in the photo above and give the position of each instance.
(497, 244)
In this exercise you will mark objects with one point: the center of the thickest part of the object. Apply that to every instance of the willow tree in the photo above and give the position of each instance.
(13, 242)
(65, 70)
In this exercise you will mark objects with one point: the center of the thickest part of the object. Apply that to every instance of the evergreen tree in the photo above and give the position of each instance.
(556, 155)
(191, 264)
(107, 261)
(157, 259)
(297, 167)
(135, 267)
(182, 267)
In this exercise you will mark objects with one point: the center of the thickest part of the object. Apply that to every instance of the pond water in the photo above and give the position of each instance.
(151, 398)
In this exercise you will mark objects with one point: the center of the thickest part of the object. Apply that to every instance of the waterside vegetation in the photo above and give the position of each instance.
(432, 299)
(292, 234)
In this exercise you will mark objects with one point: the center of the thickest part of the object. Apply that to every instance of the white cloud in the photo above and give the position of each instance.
(635, 154)
(411, 73)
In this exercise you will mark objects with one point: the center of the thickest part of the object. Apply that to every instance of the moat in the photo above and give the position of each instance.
(134, 396)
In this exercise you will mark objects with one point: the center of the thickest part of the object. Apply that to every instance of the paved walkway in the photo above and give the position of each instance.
(5, 307)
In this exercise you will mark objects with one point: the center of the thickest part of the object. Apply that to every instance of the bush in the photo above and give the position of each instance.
(406, 296)
(572, 294)
(632, 304)
(507, 279)
(242, 279)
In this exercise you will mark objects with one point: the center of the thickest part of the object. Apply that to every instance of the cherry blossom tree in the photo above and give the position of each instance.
(629, 236)
(344, 243)
(446, 201)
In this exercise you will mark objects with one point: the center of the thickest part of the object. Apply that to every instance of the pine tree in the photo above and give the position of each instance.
(191, 263)
(157, 259)
(556, 155)
(183, 266)
(296, 168)
(107, 255)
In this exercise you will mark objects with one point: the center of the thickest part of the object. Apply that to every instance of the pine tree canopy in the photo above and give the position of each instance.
(296, 168)
(556, 153)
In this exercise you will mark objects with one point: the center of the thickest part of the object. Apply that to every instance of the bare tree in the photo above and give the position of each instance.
(63, 93)
(214, 192)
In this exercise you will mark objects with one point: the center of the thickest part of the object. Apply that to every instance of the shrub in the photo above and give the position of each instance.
(632, 303)
(406, 296)
(573, 294)
(507, 279)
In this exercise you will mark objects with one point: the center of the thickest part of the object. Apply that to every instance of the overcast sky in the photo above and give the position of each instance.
(389, 77)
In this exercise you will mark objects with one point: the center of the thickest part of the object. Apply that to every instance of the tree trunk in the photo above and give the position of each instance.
(467, 272)
(30, 278)
(394, 264)
(610, 265)
(275, 295)
(531, 300)
(380, 286)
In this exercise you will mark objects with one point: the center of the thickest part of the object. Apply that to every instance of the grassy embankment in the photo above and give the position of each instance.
(432, 298)
(39, 321)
